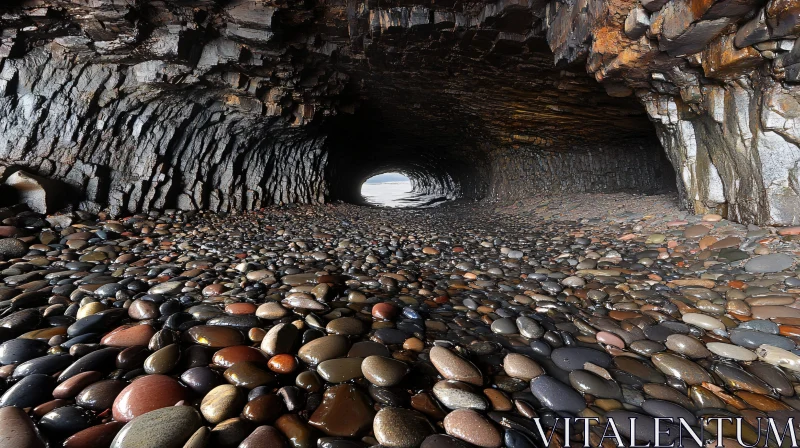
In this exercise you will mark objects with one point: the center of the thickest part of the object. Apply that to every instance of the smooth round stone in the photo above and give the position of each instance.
(572, 358)
(12, 248)
(228, 356)
(221, 403)
(473, 428)
(695, 231)
(29, 392)
(764, 326)
(703, 321)
(345, 326)
(163, 360)
(282, 364)
(681, 368)
(458, 395)
(100, 395)
(555, 395)
(504, 326)
(384, 310)
(645, 427)
(769, 263)
(280, 339)
(143, 310)
(168, 427)
(249, 375)
(95, 436)
(382, 371)
(454, 367)
(132, 357)
(773, 311)
(589, 383)
(263, 409)
(17, 429)
(48, 364)
(529, 328)
(401, 428)
(731, 351)
(340, 370)
(16, 351)
(323, 349)
(344, 412)
(611, 339)
(146, 394)
(687, 346)
(215, 336)
(522, 367)
(271, 311)
(264, 437)
(201, 379)
(101, 360)
(129, 336)
(65, 421)
(754, 339)
(71, 387)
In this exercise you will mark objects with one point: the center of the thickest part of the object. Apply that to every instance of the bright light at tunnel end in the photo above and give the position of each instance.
(388, 190)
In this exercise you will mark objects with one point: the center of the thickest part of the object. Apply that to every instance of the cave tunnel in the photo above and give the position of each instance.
(235, 105)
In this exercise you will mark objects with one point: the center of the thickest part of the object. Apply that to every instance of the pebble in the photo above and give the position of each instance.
(17, 429)
(167, 427)
(301, 326)
(454, 367)
(473, 428)
(401, 428)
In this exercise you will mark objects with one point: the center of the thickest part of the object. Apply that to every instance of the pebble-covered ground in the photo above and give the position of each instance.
(341, 326)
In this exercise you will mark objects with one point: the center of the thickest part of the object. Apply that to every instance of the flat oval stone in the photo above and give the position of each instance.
(95, 436)
(364, 349)
(71, 387)
(163, 360)
(703, 321)
(401, 428)
(323, 349)
(681, 368)
(129, 336)
(215, 336)
(572, 358)
(16, 351)
(522, 367)
(201, 379)
(443, 441)
(457, 395)
(529, 328)
(29, 392)
(667, 409)
(504, 326)
(340, 370)
(17, 429)
(687, 346)
(48, 365)
(65, 421)
(753, 339)
(146, 394)
(384, 372)
(589, 383)
(345, 326)
(102, 360)
(263, 409)
(473, 428)
(228, 356)
(167, 427)
(221, 403)
(454, 367)
(344, 412)
(100, 396)
(556, 395)
(731, 351)
(773, 311)
(249, 375)
(769, 263)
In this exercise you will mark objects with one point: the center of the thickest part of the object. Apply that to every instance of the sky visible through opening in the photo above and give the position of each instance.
(387, 190)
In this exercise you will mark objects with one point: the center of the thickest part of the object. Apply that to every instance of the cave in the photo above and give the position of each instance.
(235, 105)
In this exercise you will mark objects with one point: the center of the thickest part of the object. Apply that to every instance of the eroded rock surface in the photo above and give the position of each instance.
(238, 104)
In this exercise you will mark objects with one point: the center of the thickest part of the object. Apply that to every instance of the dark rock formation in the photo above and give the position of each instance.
(236, 104)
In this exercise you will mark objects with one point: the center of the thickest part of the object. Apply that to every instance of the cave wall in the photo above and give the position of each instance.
(530, 171)
(236, 104)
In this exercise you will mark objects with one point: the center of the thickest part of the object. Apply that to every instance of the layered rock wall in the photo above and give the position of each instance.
(233, 105)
